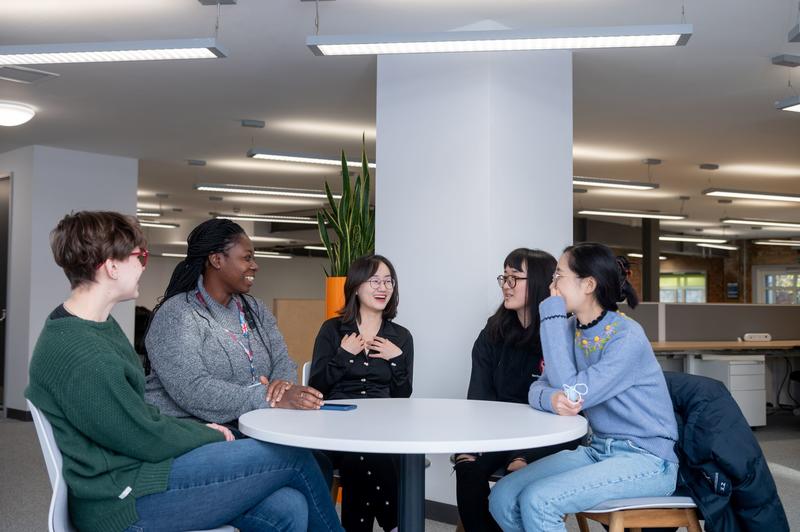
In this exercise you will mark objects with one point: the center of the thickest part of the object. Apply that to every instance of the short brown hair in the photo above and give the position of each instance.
(83, 240)
(359, 272)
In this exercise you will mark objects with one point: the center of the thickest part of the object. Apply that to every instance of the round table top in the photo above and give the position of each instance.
(414, 426)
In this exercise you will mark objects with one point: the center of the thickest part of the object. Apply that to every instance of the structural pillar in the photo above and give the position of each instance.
(474, 159)
(46, 184)
(651, 265)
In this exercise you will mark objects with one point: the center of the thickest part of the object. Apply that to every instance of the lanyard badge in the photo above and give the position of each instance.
(248, 351)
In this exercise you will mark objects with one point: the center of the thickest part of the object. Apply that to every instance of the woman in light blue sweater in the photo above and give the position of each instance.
(597, 361)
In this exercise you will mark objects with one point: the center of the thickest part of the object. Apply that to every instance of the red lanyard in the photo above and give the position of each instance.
(245, 332)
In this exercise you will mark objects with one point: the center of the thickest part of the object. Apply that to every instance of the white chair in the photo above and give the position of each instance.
(58, 516)
(641, 512)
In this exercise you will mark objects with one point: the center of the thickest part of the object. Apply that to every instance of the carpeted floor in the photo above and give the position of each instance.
(25, 489)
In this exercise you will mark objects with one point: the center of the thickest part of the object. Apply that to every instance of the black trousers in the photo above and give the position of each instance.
(472, 483)
(369, 489)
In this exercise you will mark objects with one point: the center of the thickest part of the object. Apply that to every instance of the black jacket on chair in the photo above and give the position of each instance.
(722, 466)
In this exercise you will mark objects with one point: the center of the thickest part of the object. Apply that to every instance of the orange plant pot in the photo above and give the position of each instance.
(334, 296)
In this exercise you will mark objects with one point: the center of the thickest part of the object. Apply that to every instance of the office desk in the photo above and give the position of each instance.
(411, 428)
(699, 346)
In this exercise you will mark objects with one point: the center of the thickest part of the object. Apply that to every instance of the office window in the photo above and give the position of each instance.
(682, 287)
(782, 288)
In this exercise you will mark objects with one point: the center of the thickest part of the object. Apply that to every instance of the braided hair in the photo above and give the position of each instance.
(212, 236)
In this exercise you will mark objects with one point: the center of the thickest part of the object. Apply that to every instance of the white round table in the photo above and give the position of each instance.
(411, 428)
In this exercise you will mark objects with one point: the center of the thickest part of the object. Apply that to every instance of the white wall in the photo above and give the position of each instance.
(47, 184)
(475, 159)
(296, 278)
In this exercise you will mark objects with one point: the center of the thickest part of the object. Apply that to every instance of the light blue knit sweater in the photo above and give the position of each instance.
(627, 395)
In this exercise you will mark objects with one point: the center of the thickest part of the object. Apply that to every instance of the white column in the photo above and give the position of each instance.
(474, 155)
(48, 183)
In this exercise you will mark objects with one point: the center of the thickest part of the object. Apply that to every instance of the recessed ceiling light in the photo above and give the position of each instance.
(265, 191)
(633, 214)
(792, 103)
(294, 158)
(744, 194)
(100, 52)
(501, 40)
(694, 239)
(305, 220)
(159, 225)
(768, 223)
(15, 113)
(612, 183)
(788, 243)
(718, 246)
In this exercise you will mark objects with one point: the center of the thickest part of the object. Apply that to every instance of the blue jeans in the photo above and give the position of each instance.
(538, 496)
(249, 484)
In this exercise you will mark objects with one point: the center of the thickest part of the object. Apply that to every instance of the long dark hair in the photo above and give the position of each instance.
(359, 272)
(590, 259)
(504, 325)
(212, 236)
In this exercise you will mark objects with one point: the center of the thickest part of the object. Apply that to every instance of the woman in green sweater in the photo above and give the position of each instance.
(128, 467)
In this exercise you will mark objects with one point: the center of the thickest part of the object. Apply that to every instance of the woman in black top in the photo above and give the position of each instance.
(362, 354)
(506, 359)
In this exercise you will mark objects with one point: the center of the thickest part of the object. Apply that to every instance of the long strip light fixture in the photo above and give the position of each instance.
(767, 223)
(148, 214)
(502, 40)
(640, 256)
(745, 194)
(265, 191)
(612, 183)
(693, 239)
(270, 255)
(103, 52)
(718, 246)
(255, 153)
(159, 225)
(268, 218)
(633, 214)
(776, 242)
(792, 103)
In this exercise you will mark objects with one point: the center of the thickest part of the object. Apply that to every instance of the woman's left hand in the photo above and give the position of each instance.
(515, 464)
(383, 348)
(224, 430)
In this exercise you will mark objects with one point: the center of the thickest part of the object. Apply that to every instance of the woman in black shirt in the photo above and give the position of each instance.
(362, 354)
(506, 359)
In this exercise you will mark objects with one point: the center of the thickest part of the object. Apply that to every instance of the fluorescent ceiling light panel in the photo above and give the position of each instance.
(787, 243)
(695, 239)
(792, 103)
(633, 214)
(268, 218)
(768, 223)
(296, 158)
(501, 40)
(270, 255)
(148, 214)
(612, 183)
(744, 194)
(158, 225)
(316, 248)
(103, 52)
(640, 256)
(15, 113)
(175, 255)
(265, 191)
(718, 246)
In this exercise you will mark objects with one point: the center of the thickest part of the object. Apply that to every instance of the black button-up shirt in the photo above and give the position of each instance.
(339, 374)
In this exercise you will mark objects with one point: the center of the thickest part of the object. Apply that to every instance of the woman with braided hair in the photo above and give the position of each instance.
(215, 352)
(598, 361)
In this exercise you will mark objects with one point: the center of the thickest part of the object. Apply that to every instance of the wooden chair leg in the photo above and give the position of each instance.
(583, 524)
(617, 522)
(693, 524)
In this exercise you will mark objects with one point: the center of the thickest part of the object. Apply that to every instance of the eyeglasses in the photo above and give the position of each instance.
(557, 276)
(388, 284)
(510, 280)
(142, 255)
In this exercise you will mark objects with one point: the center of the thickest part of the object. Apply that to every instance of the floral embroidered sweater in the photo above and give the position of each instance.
(627, 395)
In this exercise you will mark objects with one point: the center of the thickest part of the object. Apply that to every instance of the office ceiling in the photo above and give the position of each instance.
(708, 102)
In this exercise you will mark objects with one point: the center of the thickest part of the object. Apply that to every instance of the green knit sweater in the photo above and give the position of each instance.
(88, 381)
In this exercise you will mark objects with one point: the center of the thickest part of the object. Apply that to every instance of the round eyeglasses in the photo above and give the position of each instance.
(376, 283)
(510, 280)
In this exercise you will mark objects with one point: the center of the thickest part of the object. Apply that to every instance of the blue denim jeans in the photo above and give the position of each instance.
(538, 496)
(249, 484)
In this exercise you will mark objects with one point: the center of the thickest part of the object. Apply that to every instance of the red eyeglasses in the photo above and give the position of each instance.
(142, 255)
